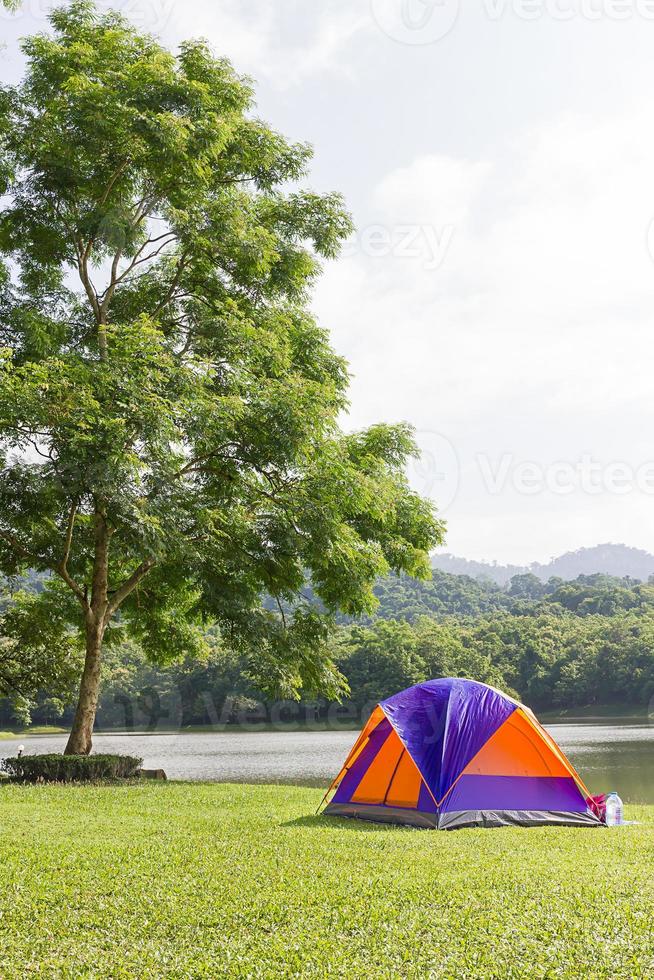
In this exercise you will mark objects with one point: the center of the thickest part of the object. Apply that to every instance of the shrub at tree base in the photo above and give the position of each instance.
(71, 768)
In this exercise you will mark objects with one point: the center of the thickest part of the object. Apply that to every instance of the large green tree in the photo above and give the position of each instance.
(170, 449)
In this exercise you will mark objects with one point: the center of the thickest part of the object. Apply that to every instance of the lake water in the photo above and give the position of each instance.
(607, 756)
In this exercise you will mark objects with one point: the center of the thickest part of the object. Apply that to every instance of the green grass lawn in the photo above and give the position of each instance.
(602, 713)
(35, 730)
(192, 880)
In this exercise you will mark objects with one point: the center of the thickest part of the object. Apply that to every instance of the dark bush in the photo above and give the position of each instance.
(71, 768)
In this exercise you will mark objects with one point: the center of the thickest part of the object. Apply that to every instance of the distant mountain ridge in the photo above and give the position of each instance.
(618, 560)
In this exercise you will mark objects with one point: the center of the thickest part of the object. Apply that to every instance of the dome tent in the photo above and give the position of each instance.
(453, 753)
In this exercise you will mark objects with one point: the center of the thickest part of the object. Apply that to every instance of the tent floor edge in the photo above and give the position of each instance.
(383, 814)
(460, 819)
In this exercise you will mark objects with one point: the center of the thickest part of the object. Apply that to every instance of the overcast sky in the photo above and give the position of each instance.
(498, 159)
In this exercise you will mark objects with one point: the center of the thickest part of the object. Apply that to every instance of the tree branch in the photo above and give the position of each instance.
(112, 180)
(188, 343)
(198, 464)
(69, 534)
(143, 209)
(137, 260)
(58, 567)
(20, 549)
(115, 279)
(82, 267)
(181, 265)
(11, 685)
(62, 567)
(281, 611)
(79, 593)
(128, 587)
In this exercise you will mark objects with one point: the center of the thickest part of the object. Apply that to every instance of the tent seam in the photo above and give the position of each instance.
(408, 752)
(444, 797)
(397, 766)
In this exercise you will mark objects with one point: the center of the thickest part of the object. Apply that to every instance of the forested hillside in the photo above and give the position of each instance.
(460, 595)
(555, 644)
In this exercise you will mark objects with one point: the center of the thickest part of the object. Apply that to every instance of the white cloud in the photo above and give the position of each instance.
(533, 336)
(277, 43)
(433, 188)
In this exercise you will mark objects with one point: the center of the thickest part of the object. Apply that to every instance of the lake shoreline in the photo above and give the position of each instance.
(607, 755)
(626, 714)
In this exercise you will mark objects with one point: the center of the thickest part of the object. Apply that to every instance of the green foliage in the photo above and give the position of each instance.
(20, 709)
(169, 438)
(38, 649)
(554, 656)
(401, 597)
(71, 768)
(550, 655)
(387, 657)
(208, 881)
(527, 586)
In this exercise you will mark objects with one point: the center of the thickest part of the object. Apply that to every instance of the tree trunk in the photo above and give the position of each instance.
(81, 734)
(80, 740)
(98, 614)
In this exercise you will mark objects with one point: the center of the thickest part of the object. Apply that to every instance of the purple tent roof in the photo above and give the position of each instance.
(444, 723)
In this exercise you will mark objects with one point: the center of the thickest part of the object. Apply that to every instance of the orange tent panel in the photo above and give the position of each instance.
(405, 786)
(547, 738)
(376, 779)
(517, 749)
(375, 718)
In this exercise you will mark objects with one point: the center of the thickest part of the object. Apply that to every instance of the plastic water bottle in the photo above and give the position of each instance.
(613, 810)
